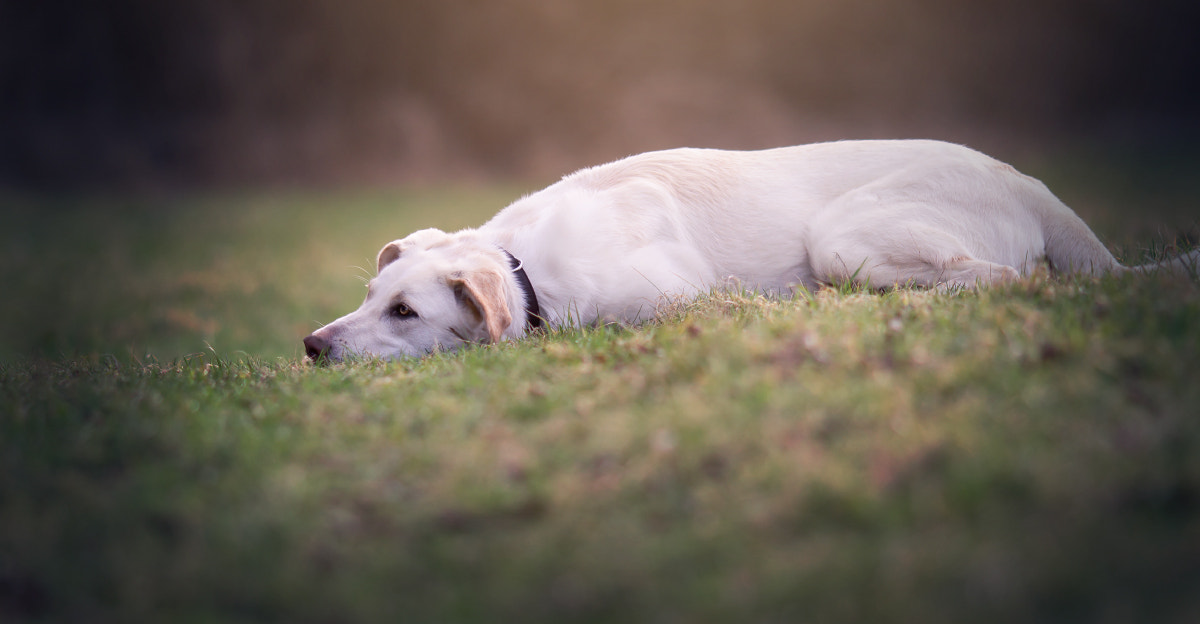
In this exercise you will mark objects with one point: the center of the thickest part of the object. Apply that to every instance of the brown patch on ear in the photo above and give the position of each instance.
(483, 293)
(387, 255)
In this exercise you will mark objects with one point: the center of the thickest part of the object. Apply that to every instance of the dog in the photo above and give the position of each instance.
(609, 243)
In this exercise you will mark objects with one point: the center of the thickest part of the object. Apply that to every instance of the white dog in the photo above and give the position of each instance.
(608, 243)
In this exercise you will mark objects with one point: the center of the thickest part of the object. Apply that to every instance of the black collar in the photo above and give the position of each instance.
(533, 314)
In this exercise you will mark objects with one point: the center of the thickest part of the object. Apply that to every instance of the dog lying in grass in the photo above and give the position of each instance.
(610, 242)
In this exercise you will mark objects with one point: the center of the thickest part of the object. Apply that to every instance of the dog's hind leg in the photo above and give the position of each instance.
(918, 256)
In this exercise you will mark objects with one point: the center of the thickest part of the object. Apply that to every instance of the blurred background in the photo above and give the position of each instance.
(152, 94)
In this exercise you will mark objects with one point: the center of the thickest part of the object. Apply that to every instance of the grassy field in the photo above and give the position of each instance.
(1023, 454)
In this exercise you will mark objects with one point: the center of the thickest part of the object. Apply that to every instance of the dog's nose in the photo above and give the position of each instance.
(316, 346)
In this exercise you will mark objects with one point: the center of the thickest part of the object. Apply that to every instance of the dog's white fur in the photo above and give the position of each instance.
(609, 242)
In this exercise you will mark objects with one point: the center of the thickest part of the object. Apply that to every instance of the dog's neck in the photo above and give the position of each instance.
(533, 314)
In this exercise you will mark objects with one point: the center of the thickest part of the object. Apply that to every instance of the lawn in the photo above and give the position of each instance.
(1028, 453)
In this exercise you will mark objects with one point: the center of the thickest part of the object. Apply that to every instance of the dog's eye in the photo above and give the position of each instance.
(402, 310)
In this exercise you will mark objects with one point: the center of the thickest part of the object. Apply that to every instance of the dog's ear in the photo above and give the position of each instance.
(482, 293)
(421, 239)
(388, 255)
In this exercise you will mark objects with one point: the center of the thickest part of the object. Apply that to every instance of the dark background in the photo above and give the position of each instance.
(132, 94)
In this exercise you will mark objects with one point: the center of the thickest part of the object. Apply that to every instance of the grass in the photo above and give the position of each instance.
(1027, 453)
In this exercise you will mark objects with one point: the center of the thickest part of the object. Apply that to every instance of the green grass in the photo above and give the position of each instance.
(164, 278)
(1028, 453)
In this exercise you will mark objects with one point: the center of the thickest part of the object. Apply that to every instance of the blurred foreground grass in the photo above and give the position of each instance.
(1030, 453)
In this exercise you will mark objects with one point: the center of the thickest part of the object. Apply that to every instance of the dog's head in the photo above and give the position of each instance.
(433, 291)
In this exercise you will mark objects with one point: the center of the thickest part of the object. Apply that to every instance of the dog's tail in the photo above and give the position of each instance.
(1187, 265)
(1072, 247)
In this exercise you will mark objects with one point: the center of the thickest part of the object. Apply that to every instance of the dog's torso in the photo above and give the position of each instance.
(610, 241)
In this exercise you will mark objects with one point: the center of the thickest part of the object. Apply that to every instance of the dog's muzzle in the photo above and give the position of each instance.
(317, 348)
